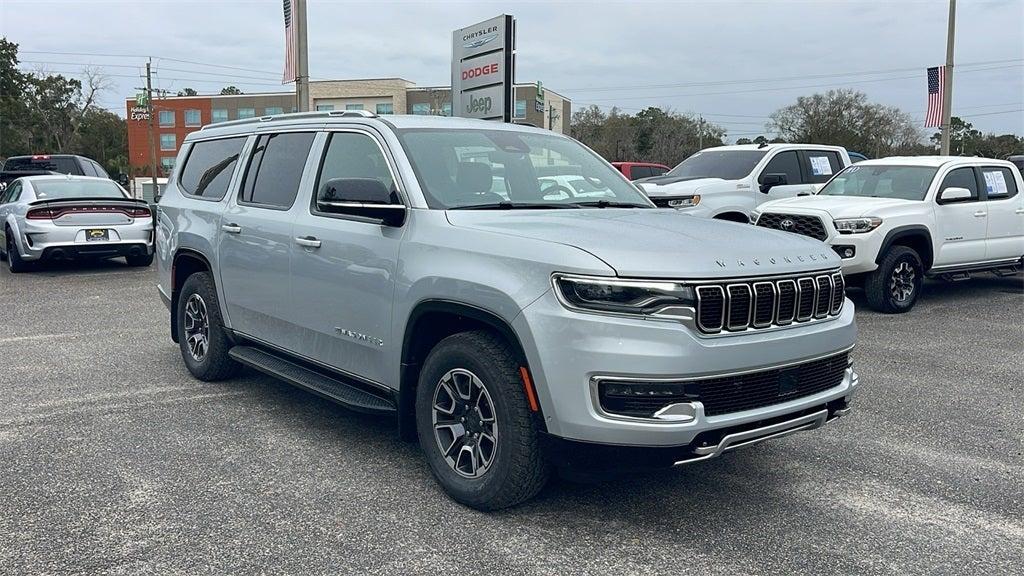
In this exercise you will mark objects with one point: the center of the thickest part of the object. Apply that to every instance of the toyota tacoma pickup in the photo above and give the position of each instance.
(894, 221)
(727, 182)
(513, 331)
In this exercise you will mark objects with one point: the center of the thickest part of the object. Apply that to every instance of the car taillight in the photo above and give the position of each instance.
(40, 214)
(139, 213)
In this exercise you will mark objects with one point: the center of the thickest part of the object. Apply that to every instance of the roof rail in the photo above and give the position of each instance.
(296, 116)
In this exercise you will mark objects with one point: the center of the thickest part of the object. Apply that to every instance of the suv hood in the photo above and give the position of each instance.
(653, 243)
(837, 206)
(681, 186)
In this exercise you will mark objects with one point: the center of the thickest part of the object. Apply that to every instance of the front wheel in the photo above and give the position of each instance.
(474, 423)
(895, 286)
(201, 336)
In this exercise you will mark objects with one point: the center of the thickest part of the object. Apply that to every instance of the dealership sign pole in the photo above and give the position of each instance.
(483, 74)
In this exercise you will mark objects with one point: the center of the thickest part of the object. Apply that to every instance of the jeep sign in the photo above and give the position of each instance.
(482, 69)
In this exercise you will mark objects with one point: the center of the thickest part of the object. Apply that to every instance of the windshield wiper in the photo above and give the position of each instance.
(513, 206)
(610, 204)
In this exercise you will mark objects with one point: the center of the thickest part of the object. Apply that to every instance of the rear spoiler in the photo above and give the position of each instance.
(89, 200)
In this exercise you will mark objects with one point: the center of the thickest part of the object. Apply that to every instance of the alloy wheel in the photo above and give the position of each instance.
(902, 282)
(197, 327)
(464, 422)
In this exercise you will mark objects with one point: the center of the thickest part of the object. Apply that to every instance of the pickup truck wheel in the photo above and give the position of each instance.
(475, 425)
(201, 337)
(894, 287)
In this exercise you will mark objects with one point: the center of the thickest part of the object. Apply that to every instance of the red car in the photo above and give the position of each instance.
(638, 170)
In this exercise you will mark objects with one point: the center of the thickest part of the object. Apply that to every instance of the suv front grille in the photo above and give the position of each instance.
(737, 305)
(806, 225)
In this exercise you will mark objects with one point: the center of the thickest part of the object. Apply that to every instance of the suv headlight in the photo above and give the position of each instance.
(637, 297)
(856, 225)
(753, 216)
(684, 201)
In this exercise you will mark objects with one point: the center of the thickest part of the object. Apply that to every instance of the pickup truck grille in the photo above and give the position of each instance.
(806, 225)
(739, 305)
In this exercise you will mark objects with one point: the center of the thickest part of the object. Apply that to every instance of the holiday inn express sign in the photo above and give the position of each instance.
(482, 69)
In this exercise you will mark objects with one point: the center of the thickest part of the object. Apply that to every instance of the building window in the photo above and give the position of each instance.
(386, 108)
(353, 106)
(167, 163)
(323, 107)
(422, 109)
(193, 118)
(447, 108)
(246, 113)
(167, 142)
(167, 118)
(520, 109)
(218, 115)
(273, 110)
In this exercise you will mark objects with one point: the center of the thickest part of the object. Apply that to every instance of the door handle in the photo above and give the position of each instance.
(1019, 211)
(307, 241)
(231, 228)
(980, 214)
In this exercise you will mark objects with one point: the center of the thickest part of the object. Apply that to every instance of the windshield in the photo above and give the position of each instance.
(508, 169)
(903, 182)
(724, 164)
(57, 189)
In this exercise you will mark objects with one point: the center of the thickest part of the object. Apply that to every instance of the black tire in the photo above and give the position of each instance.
(142, 260)
(14, 262)
(517, 469)
(214, 364)
(880, 286)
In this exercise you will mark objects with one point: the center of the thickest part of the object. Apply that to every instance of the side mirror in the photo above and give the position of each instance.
(773, 179)
(365, 197)
(955, 194)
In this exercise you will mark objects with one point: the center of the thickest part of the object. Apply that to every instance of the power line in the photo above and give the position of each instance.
(108, 55)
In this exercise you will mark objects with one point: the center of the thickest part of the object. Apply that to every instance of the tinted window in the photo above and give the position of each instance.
(354, 155)
(784, 163)
(821, 165)
(999, 182)
(657, 170)
(637, 172)
(275, 169)
(961, 178)
(64, 165)
(724, 164)
(11, 194)
(88, 169)
(209, 166)
(99, 170)
(67, 188)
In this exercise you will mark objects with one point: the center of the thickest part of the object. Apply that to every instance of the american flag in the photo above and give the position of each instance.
(289, 45)
(936, 88)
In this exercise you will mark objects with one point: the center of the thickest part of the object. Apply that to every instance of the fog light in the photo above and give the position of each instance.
(661, 400)
(845, 251)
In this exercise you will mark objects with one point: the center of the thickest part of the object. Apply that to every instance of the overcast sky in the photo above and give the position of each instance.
(603, 53)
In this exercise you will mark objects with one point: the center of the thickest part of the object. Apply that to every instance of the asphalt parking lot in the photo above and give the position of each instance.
(113, 460)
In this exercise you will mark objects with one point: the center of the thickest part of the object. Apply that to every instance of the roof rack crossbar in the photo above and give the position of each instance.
(295, 116)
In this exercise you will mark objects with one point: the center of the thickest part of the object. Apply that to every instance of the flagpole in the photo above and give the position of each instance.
(947, 93)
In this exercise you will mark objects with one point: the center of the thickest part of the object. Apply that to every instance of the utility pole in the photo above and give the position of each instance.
(152, 128)
(947, 93)
(700, 132)
(552, 116)
(301, 56)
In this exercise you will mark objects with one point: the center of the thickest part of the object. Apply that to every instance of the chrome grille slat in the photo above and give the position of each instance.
(757, 303)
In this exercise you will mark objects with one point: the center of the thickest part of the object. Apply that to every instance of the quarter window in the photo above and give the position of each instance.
(272, 179)
(999, 182)
(784, 163)
(961, 178)
(209, 167)
(355, 155)
(12, 193)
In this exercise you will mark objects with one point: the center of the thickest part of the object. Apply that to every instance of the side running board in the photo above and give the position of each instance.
(317, 382)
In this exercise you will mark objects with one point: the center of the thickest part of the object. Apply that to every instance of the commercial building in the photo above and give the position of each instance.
(177, 116)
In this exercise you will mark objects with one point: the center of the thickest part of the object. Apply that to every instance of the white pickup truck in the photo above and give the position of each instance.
(895, 220)
(727, 182)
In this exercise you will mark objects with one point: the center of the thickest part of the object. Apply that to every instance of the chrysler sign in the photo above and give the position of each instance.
(482, 69)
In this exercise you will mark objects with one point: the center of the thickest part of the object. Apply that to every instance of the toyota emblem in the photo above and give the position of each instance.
(787, 224)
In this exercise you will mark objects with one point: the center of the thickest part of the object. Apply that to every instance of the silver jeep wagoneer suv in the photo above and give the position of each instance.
(503, 291)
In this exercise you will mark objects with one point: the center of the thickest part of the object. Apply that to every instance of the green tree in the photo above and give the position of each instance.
(190, 92)
(964, 140)
(103, 137)
(230, 90)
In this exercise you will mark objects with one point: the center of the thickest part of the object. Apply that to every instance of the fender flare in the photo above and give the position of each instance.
(907, 231)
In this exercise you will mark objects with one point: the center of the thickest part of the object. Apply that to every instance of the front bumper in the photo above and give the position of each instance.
(865, 246)
(44, 240)
(567, 350)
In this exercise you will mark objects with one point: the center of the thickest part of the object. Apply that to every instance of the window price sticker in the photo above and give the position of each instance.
(995, 184)
(820, 166)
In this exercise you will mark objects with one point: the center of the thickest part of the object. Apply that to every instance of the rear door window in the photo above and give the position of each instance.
(999, 182)
(821, 165)
(209, 167)
(275, 169)
(784, 163)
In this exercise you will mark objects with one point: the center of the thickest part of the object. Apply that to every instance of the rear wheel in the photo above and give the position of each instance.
(140, 260)
(14, 262)
(475, 425)
(201, 336)
(894, 287)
